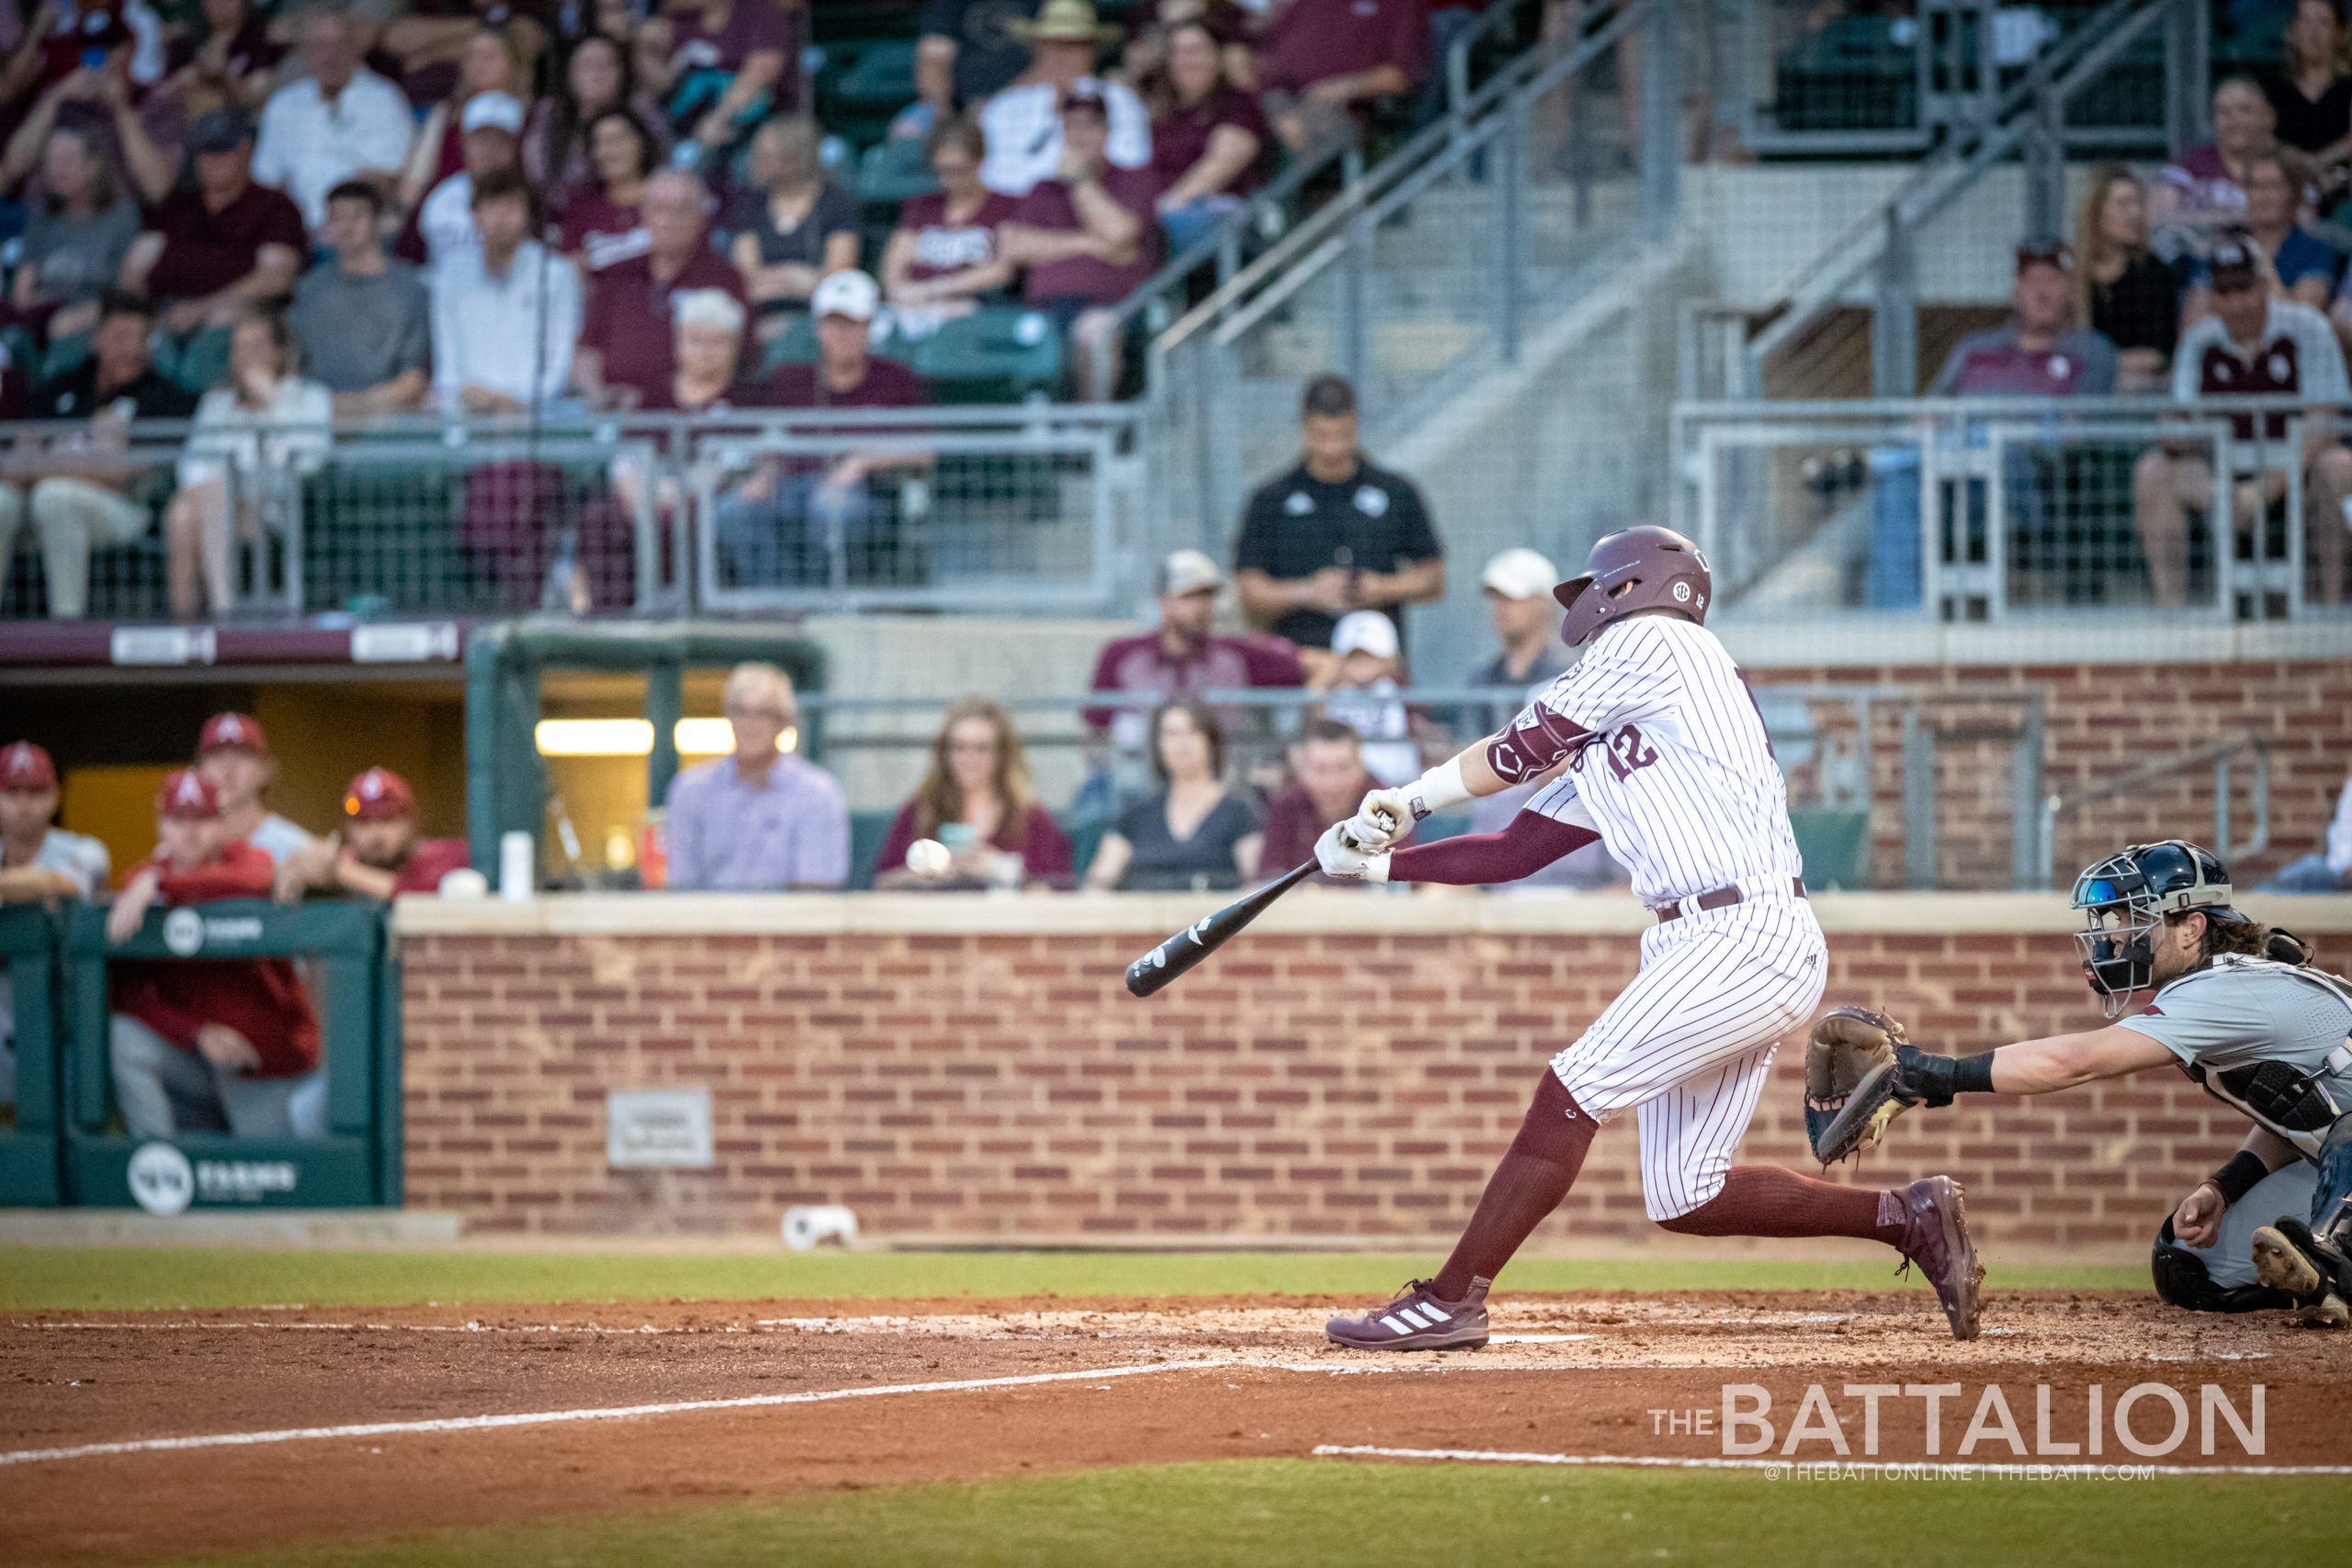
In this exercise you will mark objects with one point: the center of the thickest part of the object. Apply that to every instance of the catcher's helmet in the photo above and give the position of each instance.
(1634, 568)
(2126, 896)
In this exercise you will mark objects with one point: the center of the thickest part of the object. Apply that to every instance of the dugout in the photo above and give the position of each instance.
(354, 983)
(506, 781)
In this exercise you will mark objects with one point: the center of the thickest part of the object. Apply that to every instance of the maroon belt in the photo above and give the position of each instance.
(1721, 898)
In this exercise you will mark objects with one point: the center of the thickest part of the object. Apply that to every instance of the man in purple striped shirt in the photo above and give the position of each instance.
(762, 818)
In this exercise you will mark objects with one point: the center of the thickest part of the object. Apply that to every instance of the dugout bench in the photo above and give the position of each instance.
(67, 1147)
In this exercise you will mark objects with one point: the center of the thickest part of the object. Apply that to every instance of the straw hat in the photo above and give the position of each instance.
(1066, 21)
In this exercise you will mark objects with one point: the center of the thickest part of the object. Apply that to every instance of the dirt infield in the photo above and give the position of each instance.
(127, 1436)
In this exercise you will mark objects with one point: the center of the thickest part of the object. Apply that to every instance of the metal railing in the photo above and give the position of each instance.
(1307, 182)
(1874, 259)
(1025, 506)
(1993, 508)
(1436, 264)
(1834, 82)
(2220, 755)
(1859, 758)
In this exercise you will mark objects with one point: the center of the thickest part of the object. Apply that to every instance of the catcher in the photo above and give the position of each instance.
(2234, 1005)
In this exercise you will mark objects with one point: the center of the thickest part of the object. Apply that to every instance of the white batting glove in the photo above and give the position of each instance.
(1384, 818)
(1338, 857)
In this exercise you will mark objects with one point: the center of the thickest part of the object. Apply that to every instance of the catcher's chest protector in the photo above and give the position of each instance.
(2298, 1094)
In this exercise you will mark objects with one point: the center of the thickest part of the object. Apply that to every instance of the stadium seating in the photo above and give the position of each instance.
(1004, 355)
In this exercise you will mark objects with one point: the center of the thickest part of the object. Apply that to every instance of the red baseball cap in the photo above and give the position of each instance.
(187, 793)
(27, 767)
(232, 732)
(379, 794)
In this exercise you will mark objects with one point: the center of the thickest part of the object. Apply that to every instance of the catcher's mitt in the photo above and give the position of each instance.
(1853, 1081)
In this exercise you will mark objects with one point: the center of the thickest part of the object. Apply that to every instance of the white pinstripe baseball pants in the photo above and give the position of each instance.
(1689, 1044)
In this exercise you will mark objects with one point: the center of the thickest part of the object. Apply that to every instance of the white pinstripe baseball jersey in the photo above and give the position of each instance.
(1678, 777)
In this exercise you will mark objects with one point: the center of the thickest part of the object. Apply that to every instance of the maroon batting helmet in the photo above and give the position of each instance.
(1634, 568)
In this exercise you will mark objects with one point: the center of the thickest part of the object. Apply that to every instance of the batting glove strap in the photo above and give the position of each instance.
(1441, 788)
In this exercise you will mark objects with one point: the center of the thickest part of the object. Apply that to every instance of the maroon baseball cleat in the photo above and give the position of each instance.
(1416, 1320)
(1936, 1240)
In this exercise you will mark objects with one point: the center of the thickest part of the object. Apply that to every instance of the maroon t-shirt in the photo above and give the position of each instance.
(601, 231)
(630, 321)
(430, 859)
(1318, 39)
(750, 26)
(1179, 139)
(886, 385)
(941, 247)
(204, 252)
(1048, 205)
(1045, 852)
(1143, 663)
(744, 394)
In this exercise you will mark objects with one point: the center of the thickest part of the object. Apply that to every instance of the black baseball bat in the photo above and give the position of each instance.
(1156, 970)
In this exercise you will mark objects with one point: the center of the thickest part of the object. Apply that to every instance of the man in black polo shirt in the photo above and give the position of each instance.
(79, 485)
(1335, 534)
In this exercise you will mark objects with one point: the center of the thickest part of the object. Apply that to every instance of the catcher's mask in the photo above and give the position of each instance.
(2126, 897)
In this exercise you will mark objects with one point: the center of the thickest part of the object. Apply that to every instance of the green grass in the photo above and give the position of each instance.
(1317, 1511)
(125, 1279)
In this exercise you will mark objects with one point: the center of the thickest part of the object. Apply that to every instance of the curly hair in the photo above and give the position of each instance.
(2251, 938)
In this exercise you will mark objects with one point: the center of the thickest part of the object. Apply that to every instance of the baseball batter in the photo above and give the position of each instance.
(1660, 755)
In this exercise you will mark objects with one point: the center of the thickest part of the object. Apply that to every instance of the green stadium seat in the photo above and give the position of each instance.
(1085, 838)
(881, 79)
(200, 363)
(893, 170)
(63, 353)
(1837, 849)
(1005, 356)
(797, 345)
(866, 831)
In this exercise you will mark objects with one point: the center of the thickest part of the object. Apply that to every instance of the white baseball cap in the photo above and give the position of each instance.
(1520, 573)
(1189, 571)
(849, 293)
(492, 111)
(1365, 631)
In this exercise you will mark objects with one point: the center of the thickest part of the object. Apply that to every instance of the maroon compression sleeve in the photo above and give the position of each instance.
(1531, 843)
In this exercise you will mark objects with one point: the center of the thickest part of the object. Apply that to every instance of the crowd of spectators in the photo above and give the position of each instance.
(2223, 276)
(507, 209)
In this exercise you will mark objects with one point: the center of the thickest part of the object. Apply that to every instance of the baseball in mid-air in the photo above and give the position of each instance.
(928, 857)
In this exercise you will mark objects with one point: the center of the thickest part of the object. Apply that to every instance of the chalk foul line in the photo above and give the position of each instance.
(594, 1413)
(1781, 1466)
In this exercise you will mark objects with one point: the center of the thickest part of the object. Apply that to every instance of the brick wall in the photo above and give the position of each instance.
(2101, 720)
(1329, 1076)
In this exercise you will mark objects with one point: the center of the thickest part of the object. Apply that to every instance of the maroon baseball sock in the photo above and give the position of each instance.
(1764, 1200)
(1529, 1184)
